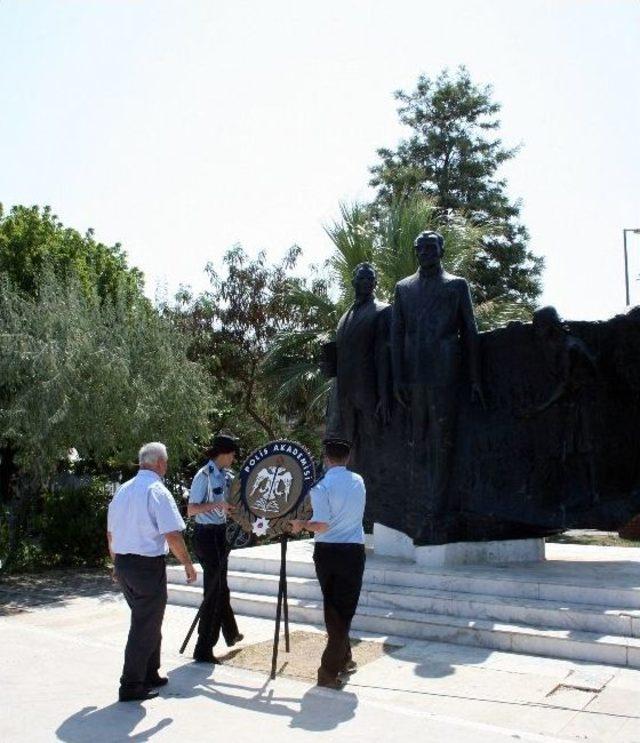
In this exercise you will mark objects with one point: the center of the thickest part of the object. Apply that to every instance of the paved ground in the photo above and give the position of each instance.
(61, 659)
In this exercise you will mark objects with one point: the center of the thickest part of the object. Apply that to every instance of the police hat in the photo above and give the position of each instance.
(223, 443)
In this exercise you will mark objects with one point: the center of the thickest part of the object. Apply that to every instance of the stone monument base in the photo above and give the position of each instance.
(394, 543)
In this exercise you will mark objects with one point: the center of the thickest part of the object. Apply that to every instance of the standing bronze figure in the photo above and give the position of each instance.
(362, 387)
(431, 322)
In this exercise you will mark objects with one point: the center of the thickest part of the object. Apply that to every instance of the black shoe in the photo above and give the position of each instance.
(205, 656)
(328, 681)
(136, 694)
(238, 638)
(156, 681)
(349, 667)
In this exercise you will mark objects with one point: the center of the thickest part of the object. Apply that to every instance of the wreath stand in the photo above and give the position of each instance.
(282, 608)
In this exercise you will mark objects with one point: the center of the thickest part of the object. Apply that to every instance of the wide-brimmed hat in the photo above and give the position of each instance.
(222, 443)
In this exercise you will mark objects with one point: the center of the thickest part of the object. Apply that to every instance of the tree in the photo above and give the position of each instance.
(452, 157)
(34, 242)
(97, 376)
(231, 328)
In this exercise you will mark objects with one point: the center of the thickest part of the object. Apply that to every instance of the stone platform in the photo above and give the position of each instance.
(581, 603)
(391, 543)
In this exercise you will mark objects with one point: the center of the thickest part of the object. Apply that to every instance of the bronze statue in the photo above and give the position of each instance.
(573, 367)
(442, 469)
(361, 392)
(432, 320)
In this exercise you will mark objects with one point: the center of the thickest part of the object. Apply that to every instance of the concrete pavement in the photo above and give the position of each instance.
(62, 660)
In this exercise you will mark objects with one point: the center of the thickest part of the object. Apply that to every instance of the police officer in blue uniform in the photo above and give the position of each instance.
(338, 502)
(207, 503)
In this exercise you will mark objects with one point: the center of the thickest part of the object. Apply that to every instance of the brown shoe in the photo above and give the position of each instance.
(328, 681)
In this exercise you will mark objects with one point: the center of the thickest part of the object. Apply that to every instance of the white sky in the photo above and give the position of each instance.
(180, 127)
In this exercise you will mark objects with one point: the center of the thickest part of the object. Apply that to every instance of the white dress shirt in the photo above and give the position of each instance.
(140, 514)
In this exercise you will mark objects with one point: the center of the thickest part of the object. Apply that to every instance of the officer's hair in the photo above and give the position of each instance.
(150, 453)
(337, 451)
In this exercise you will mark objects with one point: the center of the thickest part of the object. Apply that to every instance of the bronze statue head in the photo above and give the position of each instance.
(364, 281)
(429, 247)
(548, 328)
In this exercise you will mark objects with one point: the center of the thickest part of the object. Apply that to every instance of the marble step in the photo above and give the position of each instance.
(499, 581)
(537, 613)
(510, 637)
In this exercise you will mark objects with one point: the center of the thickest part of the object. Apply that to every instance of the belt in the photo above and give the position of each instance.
(209, 526)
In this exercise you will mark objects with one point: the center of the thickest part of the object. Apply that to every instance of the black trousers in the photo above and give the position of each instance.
(144, 583)
(210, 546)
(339, 568)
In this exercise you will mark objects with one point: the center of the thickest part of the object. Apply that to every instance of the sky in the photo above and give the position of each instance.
(182, 127)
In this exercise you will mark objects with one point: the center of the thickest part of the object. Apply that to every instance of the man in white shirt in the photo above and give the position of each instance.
(143, 524)
(338, 502)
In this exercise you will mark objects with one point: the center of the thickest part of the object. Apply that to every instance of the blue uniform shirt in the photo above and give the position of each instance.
(140, 514)
(338, 500)
(210, 485)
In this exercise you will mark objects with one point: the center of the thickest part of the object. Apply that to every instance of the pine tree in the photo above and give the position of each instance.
(453, 155)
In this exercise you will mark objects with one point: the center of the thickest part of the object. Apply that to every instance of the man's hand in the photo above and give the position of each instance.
(222, 507)
(190, 572)
(297, 525)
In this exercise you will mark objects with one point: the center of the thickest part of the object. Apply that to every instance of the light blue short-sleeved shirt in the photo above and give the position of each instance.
(140, 514)
(338, 500)
(210, 485)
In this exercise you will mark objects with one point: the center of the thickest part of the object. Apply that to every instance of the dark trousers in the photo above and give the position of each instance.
(144, 583)
(339, 568)
(210, 546)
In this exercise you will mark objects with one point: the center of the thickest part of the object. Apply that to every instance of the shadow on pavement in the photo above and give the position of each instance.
(113, 724)
(317, 710)
(20, 593)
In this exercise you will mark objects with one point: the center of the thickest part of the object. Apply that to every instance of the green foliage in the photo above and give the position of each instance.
(230, 328)
(66, 527)
(33, 243)
(73, 525)
(453, 156)
(102, 378)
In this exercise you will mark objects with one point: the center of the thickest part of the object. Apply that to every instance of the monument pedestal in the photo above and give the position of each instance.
(392, 543)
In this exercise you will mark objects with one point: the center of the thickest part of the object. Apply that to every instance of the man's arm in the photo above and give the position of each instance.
(319, 523)
(298, 525)
(109, 542)
(195, 508)
(179, 550)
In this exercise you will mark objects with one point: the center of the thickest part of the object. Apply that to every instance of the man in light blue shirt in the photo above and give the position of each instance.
(338, 502)
(143, 525)
(207, 502)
